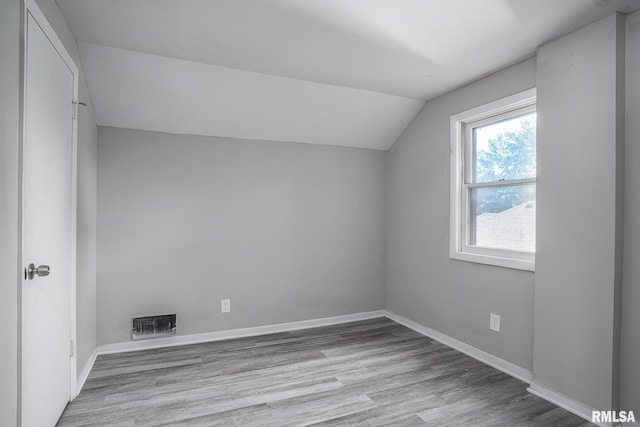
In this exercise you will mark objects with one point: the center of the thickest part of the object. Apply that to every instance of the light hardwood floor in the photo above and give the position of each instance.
(373, 372)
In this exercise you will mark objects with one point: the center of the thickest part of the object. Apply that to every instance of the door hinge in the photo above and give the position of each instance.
(75, 105)
(72, 348)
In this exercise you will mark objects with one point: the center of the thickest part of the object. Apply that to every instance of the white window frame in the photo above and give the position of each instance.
(517, 104)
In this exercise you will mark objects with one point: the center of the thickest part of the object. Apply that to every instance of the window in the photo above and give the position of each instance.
(493, 183)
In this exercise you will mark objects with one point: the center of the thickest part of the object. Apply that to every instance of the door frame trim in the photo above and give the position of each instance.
(29, 7)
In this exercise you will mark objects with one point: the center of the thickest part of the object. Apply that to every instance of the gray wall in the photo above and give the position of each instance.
(9, 92)
(87, 199)
(423, 284)
(579, 141)
(630, 339)
(286, 231)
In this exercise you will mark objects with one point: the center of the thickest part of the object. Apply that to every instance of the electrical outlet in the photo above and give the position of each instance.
(494, 322)
(225, 305)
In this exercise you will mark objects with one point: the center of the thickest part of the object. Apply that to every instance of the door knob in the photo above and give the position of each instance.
(41, 271)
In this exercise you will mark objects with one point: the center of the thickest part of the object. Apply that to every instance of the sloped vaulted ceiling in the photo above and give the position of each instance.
(337, 72)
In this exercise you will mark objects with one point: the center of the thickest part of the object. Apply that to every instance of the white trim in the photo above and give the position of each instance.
(73, 385)
(517, 264)
(520, 99)
(504, 183)
(178, 340)
(484, 357)
(82, 378)
(562, 400)
(457, 204)
(31, 8)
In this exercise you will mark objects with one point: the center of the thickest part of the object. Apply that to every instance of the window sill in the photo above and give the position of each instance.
(497, 261)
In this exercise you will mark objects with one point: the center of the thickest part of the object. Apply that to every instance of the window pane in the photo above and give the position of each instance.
(503, 217)
(505, 150)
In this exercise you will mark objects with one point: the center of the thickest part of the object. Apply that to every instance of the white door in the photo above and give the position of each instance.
(48, 227)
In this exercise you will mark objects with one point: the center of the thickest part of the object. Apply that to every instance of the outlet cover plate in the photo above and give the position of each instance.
(225, 305)
(494, 322)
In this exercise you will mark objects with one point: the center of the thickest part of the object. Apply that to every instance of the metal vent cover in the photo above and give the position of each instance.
(153, 326)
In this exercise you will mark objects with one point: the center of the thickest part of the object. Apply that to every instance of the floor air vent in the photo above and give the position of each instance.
(153, 326)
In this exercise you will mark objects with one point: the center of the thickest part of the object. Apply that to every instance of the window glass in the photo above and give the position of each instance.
(505, 150)
(503, 217)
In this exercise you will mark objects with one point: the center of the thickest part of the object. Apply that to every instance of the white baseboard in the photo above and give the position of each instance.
(235, 333)
(84, 374)
(562, 400)
(484, 357)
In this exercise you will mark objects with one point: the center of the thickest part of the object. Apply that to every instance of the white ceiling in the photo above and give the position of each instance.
(142, 91)
(338, 72)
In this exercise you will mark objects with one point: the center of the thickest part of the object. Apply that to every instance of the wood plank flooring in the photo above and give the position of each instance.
(371, 373)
